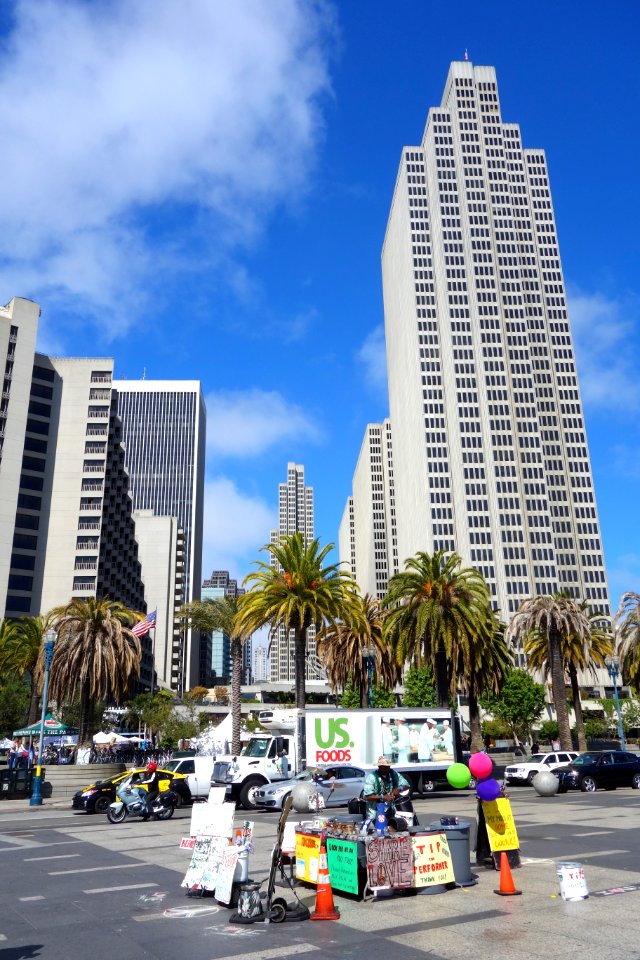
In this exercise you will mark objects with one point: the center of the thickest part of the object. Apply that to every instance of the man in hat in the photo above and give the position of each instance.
(383, 785)
(447, 737)
(427, 740)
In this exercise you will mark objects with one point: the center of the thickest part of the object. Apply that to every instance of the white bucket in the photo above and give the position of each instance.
(573, 883)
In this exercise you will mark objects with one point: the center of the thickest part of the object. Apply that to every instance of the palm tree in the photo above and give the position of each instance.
(483, 667)
(20, 642)
(553, 621)
(579, 652)
(437, 609)
(95, 652)
(340, 646)
(207, 616)
(627, 631)
(296, 591)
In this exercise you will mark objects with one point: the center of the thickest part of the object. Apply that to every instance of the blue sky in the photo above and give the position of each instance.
(200, 189)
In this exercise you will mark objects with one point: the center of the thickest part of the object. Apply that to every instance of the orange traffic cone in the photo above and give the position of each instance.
(325, 909)
(507, 886)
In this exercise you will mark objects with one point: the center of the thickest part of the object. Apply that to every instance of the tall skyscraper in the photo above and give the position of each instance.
(489, 445)
(66, 526)
(260, 665)
(295, 515)
(164, 425)
(368, 536)
(220, 585)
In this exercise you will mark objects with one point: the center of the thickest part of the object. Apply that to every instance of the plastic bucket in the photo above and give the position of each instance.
(573, 883)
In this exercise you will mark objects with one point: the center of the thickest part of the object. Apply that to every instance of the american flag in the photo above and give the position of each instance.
(149, 623)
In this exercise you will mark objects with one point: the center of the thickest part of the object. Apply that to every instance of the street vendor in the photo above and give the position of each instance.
(383, 785)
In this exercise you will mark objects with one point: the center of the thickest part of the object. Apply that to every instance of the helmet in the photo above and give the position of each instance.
(152, 767)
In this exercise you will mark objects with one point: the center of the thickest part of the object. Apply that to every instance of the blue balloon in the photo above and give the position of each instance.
(488, 790)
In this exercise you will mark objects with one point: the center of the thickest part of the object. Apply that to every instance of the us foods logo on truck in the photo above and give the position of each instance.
(333, 744)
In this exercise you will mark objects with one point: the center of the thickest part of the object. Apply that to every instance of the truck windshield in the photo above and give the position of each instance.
(256, 748)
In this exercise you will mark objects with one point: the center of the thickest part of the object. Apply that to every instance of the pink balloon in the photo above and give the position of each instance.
(481, 765)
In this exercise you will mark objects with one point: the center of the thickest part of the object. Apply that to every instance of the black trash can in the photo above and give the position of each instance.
(5, 782)
(459, 839)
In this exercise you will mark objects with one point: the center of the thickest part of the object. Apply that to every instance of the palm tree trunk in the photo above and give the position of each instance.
(442, 680)
(559, 694)
(236, 678)
(85, 712)
(300, 649)
(33, 704)
(477, 743)
(577, 706)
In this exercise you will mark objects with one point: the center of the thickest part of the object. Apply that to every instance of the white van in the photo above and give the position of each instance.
(198, 772)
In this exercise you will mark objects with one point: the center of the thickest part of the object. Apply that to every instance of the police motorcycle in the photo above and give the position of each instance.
(132, 802)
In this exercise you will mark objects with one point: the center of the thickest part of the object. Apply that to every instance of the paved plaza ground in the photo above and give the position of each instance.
(74, 887)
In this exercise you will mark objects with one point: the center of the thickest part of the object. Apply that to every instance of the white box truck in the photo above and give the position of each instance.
(420, 743)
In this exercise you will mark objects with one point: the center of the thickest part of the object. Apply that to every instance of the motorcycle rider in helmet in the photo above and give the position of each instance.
(151, 781)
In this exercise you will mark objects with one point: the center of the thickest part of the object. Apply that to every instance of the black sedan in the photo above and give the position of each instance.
(97, 797)
(608, 769)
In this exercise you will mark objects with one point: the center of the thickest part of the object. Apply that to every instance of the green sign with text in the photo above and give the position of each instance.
(342, 859)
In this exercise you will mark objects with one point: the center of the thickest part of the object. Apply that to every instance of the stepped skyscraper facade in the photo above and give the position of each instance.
(490, 454)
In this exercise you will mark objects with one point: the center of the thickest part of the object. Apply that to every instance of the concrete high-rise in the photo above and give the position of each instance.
(489, 445)
(368, 537)
(295, 515)
(164, 425)
(218, 586)
(66, 527)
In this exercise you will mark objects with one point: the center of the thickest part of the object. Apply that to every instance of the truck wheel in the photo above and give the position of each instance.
(428, 786)
(247, 793)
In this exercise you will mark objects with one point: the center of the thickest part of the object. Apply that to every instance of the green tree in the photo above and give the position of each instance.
(14, 703)
(419, 688)
(383, 697)
(296, 590)
(350, 696)
(437, 613)
(627, 631)
(555, 620)
(584, 649)
(549, 730)
(520, 703)
(150, 711)
(20, 642)
(340, 647)
(95, 652)
(223, 615)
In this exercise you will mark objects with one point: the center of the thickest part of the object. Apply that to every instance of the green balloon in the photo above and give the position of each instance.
(458, 775)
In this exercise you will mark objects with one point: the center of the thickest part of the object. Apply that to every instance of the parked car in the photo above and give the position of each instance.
(606, 768)
(198, 772)
(97, 796)
(336, 785)
(525, 770)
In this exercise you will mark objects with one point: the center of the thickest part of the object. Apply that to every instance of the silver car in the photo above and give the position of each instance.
(336, 785)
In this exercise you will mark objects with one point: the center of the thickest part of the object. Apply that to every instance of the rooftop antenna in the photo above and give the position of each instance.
(144, 373)
(466, 54)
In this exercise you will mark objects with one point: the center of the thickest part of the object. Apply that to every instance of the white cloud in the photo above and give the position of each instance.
(236, 527)
(247, 423)
(605, 332)
(124, 115)
(372, 355)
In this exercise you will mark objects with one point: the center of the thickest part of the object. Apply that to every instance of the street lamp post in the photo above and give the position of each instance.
(613, 669)
(49, 642)
(369, 657)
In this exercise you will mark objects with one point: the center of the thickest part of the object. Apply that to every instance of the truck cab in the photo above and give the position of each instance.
(262, 761)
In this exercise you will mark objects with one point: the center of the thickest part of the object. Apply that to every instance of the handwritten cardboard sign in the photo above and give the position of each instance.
(307, 857)
(342, 860)
(501, 828)
(187, 843)
(226, 870)
(431, 860)
(389, 862)
(212, 819)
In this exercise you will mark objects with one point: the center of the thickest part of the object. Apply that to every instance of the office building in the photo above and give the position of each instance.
(490, 452)
(218, 586)
(163, 425)
(161, 553)
(260, 665)
(295, 515)
(368, 536)
(67, 527)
